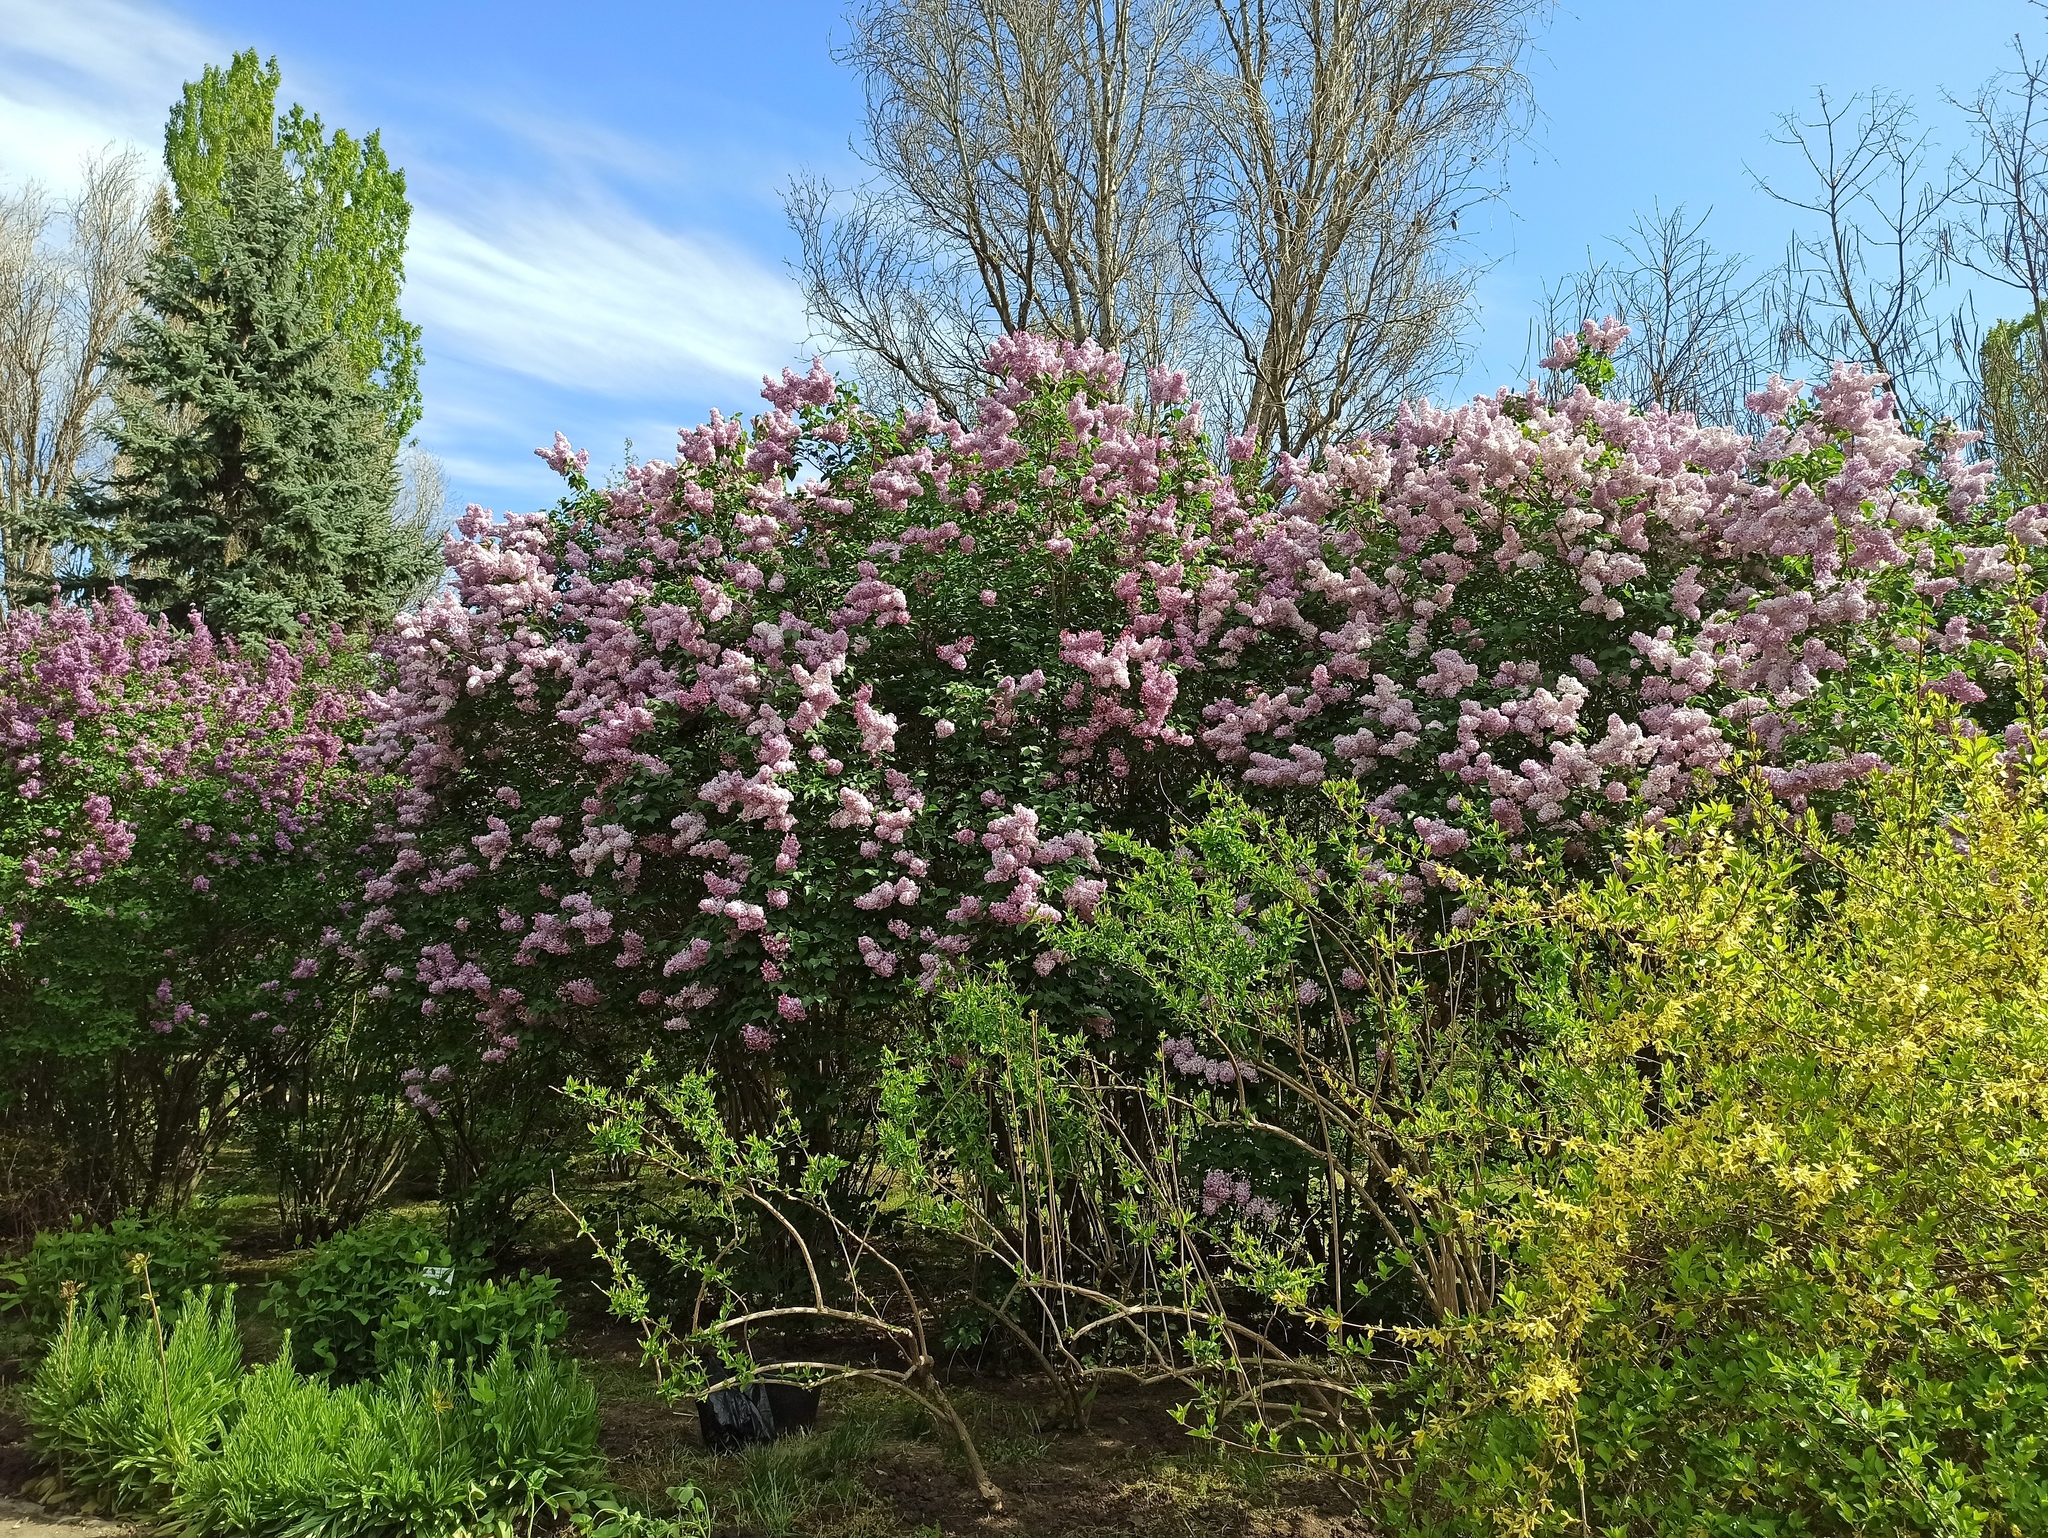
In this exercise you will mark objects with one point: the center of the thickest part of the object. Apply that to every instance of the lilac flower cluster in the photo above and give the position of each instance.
(1184, 1057)
(1222, 1190)
(830, 703)
(170, 803)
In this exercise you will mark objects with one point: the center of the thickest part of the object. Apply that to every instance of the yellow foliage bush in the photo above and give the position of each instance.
(1796, 1285)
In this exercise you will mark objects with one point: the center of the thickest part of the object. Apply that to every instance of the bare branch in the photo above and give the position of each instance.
(1342, 138)
(66, 289)
(1263, 193)
(1700, 334)
(2001, 234)
(1861, 286)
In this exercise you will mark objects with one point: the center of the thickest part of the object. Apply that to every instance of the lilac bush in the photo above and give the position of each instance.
(739, 754)
(178, 819)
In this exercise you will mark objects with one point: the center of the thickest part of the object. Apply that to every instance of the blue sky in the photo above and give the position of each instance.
(598, 244)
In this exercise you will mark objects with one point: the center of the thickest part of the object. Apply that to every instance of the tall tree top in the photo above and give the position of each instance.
(358, 213)
(252, 477)
(222, 114)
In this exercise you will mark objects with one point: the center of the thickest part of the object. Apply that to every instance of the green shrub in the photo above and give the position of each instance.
(427, 1452)
(275, 1464)
(169, 1423)
(183, 1256)
(126, 1406)
(1797, 1285)
(336, 1300)
(467, 1325)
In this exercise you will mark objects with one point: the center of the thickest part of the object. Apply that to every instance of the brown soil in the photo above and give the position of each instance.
(24, 1519)
(1133, 1474)
(29, 1519)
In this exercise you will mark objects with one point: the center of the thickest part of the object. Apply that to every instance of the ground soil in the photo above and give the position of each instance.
(1134, 1473)
(25, 1519)
(28, 1519)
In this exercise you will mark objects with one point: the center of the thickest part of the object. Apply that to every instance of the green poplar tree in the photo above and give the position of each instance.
(253, 470)
(354, 254)
(2015, 377)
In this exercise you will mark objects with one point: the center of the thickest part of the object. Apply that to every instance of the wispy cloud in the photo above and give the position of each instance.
(79, 76)
(538, 299)
(595, 298)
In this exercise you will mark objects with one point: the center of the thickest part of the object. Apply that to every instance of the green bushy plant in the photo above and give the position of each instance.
(609, 1518)
(1797, 1284)
(125, 1406)
(97, 1262)
(467, 1325)
(422, 1453)
(426, 1452)
(141, 1415)
(337, 1299)
(274, 1464)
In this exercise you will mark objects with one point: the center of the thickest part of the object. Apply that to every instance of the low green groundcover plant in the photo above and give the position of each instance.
(470, 1324)
(338, 1297)
(98, 1262)
(393, 1291)
(141, 1415)
(124, 1405)
(424, 1451)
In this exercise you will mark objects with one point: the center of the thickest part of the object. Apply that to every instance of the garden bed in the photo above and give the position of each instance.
(874, 1468)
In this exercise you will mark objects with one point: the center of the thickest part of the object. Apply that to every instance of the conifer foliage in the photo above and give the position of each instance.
(253, 475)
(354, 255)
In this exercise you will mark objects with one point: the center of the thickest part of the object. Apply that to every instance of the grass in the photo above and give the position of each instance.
(875, 1468)
(810, 1482)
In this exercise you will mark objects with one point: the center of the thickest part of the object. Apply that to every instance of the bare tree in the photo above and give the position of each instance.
(66, 287)
(1341, 139)
(1027, 156)
(419, 516)
(1865, 284)
(1700, 335)
(1263, 191)
(2001, 235)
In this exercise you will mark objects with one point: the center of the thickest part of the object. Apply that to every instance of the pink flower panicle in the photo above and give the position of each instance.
(714, 676)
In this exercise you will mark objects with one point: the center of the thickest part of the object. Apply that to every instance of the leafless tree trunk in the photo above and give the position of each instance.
(1700, 336)
(66, 287)
(1341, 139)
(420, 513)
(1264, 192)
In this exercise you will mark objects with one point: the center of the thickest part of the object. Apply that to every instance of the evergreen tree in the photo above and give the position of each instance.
(354, 254)
(252, 477)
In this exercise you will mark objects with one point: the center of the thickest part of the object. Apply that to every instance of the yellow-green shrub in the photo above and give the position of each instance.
(1799, 1287)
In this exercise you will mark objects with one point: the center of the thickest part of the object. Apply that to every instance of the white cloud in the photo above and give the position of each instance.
(595, 299)
(532, 295)
(77, 76)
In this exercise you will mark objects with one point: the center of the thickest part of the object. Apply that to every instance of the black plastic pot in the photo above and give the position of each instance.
(733, 1418)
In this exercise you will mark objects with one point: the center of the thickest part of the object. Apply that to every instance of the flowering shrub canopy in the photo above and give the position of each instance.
(1707, 1324)
(744, 743)
(174, 813)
